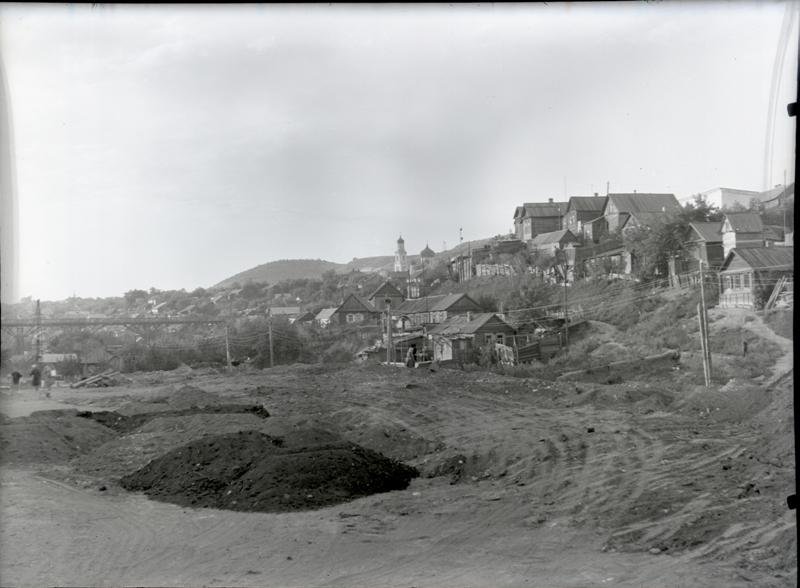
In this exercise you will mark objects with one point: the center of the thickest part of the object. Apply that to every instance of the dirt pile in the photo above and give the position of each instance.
(49, 437)
(251, 471)
(126, 423)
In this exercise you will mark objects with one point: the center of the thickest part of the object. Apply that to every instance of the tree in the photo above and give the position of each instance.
(651, 247)
(701, 211)
(133, 296)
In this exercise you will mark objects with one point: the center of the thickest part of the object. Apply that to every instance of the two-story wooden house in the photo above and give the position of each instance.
(386, 291)
(639, 209)
(533, 218)
(580, 210)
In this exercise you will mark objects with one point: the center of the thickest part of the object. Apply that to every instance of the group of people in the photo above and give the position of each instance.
(36, 379)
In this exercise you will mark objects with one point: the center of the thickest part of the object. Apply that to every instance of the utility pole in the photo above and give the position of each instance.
(269, 327)
(38, 332)
(707, 349)
(388, 331)
(563, 256)
(228, 348)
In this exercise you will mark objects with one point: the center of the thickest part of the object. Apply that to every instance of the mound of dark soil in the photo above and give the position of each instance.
(49, 437)
(126, 423)
(251, 471)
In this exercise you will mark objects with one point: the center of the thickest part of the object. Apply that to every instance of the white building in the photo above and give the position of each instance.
(728, 197)
(400, 260)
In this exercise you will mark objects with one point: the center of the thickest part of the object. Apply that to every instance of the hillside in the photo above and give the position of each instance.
(285, 269)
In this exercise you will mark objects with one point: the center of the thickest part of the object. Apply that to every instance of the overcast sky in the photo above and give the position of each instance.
(173, 147)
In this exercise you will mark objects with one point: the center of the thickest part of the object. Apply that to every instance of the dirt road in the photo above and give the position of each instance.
(525, 483)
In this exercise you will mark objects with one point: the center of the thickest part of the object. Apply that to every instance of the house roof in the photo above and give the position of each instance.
(744, 222)
(553, 237)
(763, 258)
(386, 288)
(545, 209)
(459, 325)
(586, 204)
(646, 219)
(57, 357)
(435, 303)
(709, 232)
(638, 203)
(779, 193)
(325, 314)
(306, 316)
(284, 310)
(355, 303)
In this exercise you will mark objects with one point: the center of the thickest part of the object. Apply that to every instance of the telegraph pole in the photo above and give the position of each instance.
(388, 331)
(38, 332)
(704, 333)
(269, 327)
(228, 348)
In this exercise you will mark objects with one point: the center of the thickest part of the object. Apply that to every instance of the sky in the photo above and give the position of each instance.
(172, 147)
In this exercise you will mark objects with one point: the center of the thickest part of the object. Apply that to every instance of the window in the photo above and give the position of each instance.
(500, 339)
(746, 280)
(487, 339)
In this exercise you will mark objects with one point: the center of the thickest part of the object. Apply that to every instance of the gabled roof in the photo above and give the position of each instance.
(773, 233)
(436, 303)
(779, 193)
(459, 325)
(553, 237)
(633, 203)
(744, 222)
(586, 204)
(545, 209)
(763, 258)
(386, 288)
(355, 303)
(647, 219)
(306, 316)
(519, 211)
(285, 310)
(325, 314)
(708, 232)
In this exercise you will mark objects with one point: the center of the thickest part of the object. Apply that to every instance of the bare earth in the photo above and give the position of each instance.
(562, 484)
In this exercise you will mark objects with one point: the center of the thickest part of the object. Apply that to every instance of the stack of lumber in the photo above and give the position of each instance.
(103, 380)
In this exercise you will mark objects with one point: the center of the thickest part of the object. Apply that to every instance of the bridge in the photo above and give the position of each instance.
(146, 327)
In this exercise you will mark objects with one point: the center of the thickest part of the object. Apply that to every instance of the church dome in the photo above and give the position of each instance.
(427, 252)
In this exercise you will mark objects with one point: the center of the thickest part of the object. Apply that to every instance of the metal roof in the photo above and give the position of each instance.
(744, 222)
(553, 237)
(459, 325)
(325, 314)
(586, 204)
(709, 232)
(636, 202)
(763, 258)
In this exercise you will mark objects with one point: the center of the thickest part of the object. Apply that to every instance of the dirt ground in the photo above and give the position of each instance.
(524, 482)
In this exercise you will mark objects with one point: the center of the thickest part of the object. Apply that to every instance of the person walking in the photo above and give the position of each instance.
(16, 378)
(411, 357)
(36, 377)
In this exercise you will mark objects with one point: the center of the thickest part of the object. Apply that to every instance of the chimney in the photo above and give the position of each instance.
(550, 200)
(595, 194)
(469, 316)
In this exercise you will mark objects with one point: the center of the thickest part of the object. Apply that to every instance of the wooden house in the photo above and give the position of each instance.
(434, 309)
(548, 243)
(740, 230)
(644, 208)
(386, 291)
(705, 244)
(458, 338)
(354, 310)
(748, 275)
(323, 317)
(580, 210)
(533, 218)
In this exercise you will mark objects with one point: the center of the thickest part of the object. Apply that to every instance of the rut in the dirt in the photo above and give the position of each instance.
(251, 471)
